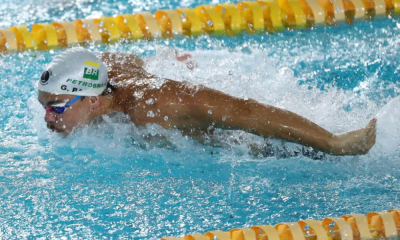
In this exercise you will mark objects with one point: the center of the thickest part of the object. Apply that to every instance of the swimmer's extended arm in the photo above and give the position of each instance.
(200, 108)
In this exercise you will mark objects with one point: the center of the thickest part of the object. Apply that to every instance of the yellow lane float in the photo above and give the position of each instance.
(372, 226)
(224, 19)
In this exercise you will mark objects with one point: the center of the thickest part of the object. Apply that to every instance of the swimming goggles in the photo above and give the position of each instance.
(62, 109)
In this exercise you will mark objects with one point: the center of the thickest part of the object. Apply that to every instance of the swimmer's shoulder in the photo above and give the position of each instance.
(121, 60)
(124, 67)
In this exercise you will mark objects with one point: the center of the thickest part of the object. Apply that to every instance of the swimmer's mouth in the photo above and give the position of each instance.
(53, 128)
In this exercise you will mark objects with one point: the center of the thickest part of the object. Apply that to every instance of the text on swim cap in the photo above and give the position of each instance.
(91, 73)
(86, 84)
(65, 88)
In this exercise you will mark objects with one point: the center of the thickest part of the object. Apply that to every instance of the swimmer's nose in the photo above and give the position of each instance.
(50, 116)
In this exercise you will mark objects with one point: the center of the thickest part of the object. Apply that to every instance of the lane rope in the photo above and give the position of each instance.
(224, 19)
(372, 226)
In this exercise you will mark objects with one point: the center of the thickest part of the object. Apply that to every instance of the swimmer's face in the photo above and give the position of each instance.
(77, 114)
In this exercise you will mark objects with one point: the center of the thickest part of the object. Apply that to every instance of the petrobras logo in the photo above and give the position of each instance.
(91, 70)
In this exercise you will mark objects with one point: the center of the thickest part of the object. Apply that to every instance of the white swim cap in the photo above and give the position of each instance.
(76, 71)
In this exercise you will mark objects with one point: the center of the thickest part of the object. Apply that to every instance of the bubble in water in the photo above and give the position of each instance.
(223, 118)
(209, 111)
(150, 101)
(138, 94)
(166, 118)
(64, 126)
(150, 114)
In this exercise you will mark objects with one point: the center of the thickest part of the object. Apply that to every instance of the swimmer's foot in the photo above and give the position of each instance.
(355, 142)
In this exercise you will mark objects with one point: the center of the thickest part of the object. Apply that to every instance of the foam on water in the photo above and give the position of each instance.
(388, 132)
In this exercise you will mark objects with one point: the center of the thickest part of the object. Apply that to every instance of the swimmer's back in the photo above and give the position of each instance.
(124, 66)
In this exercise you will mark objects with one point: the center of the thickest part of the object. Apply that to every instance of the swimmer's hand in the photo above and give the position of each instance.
(355, 142)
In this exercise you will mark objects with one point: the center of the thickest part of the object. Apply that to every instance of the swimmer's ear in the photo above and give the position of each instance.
(94, 102)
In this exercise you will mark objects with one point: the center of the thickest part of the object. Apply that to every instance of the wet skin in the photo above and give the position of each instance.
(196, 110)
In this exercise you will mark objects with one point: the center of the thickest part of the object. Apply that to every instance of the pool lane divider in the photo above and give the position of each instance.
(219, 20)
(372, 226)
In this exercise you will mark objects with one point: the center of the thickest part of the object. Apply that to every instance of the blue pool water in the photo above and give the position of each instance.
(107, 181)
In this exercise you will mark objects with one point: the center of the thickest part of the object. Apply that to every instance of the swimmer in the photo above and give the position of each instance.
(78, 87)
